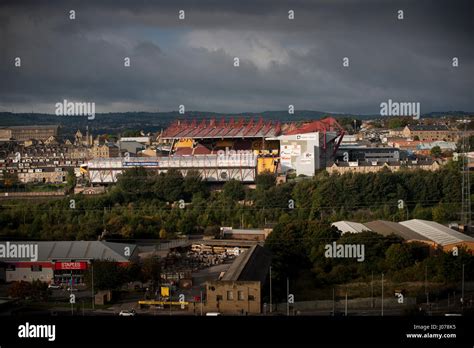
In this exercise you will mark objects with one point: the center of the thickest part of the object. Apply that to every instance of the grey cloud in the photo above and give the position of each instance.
(282, 62)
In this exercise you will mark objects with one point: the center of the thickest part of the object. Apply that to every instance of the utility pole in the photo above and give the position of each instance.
(462, 288)
(346, 304)
(333, 302)
(271, 305)
(382, 294)
(287, 296)
(72, 304)
(92, 271)
(201, 303)
(372, 288)
(426, 285)
(466, 185)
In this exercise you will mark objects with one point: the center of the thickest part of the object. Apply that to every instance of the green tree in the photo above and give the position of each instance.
(70, 180)
(436, 151)
(151, 271)
(234, 190)
(265, 180)
(440, 213)
(108, 275)
(398, 256)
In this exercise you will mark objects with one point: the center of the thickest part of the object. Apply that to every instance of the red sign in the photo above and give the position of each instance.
(70, 265)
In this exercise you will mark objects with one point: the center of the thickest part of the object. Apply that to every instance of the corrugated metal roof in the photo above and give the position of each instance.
(436, 232)
(386, 228)
(82, 250)
(350, 226)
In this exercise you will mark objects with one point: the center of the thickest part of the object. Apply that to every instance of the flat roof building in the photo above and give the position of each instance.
(59, 262)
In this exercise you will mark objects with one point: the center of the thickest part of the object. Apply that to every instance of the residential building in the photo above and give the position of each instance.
(429, 132)
(22, 133)
(107, 150)
(376, 166)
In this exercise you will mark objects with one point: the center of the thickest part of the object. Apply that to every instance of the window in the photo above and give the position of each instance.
(230, 295)
(36, 268)
(219, 298)
(251, 298)
(240, 295)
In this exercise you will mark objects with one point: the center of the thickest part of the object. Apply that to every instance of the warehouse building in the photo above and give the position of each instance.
(434, 234)
(245, 234)
(443, 237)
(387, 228)
(350, 226)
(59, 262)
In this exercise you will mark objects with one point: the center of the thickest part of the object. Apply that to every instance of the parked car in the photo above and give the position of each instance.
(127, 313)
(54, 286)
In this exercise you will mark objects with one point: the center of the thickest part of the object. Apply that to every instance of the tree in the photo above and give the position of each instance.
(440, 213)
(172, 185)
(133, 182)
(436, 151)
(108, 275)
(10, 179)
(265, 180)
(234, 190)
(194, 185)
(398, 256)
(214, 231)
(70, 180)
(36, 290)
(151, 271)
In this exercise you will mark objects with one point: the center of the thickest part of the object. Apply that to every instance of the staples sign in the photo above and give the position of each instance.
(70, 265)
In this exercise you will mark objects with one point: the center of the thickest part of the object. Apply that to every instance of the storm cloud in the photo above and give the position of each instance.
(282, 61)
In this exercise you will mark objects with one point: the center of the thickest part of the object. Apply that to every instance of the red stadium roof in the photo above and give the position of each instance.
(328, 124)
(222, 129)
(240, 129)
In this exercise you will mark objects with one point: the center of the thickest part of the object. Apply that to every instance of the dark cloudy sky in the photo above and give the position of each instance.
(282, 62)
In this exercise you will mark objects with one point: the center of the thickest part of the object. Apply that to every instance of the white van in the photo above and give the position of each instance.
(213, 314)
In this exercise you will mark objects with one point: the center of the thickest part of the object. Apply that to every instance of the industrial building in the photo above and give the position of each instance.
(350, 227)
(443, 237)
(368, 154)
(245, 234)
(436, 235)
(59, 262)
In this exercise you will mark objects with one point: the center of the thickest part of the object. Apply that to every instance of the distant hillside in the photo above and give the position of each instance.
(155, 121)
